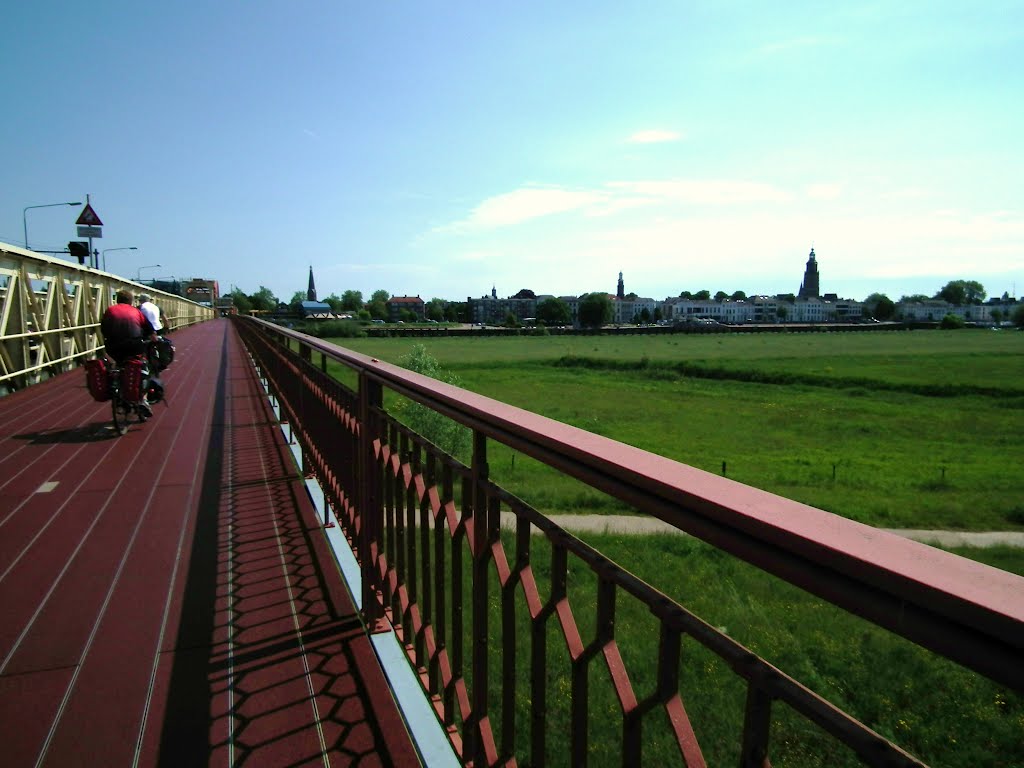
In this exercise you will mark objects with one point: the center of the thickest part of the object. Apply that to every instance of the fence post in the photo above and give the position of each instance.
(756, 727)
(476, 741)
(368, 505)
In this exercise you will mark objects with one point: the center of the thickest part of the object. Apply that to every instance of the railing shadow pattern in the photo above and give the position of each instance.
(267, 666)
(436, 566)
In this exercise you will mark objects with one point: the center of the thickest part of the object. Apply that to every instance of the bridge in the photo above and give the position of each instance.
(274, 570)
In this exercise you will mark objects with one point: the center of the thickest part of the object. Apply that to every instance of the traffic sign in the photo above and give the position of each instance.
(96, 232)
(89, 218)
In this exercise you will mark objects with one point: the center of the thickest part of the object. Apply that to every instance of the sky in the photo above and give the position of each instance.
(442, 149)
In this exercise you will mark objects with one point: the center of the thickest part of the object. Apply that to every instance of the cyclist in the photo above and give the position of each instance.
(151, 311)
(126, 332)
(154, 314)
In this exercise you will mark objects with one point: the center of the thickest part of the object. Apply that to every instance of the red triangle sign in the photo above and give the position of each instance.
(88, 217)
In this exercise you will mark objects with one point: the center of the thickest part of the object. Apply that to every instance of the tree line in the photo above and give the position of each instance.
(349, 302)
(594, 309)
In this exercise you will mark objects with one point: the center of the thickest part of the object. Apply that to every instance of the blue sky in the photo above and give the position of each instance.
(440, 149)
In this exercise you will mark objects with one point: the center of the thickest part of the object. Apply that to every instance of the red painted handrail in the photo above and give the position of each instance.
(963, 610)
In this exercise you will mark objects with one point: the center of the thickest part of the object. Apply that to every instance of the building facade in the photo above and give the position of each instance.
(397, 304)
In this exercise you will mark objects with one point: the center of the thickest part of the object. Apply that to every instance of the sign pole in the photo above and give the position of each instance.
(92, 256)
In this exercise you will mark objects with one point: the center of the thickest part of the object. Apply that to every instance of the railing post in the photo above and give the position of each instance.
(368, 504)
(756, 727)
(476, 743)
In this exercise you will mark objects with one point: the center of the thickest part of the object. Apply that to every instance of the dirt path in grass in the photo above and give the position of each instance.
(647, 525)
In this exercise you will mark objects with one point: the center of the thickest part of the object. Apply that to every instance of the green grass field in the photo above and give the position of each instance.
(935, 709)
(833, 420)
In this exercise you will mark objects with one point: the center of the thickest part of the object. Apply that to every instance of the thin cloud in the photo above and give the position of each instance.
(654, 136)
(522, 205)
(529, 203)
(704, 191)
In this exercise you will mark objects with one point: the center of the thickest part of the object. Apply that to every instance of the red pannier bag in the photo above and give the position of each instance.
(96, 380)
(131, 380)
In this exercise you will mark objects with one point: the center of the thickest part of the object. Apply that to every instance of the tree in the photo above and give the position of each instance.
(685, 295)
(658, 316)
(997, 316)
(295, 305)
(885, 309)
(782, 311)
(704, 295)
(510, 319)
(334, 301)
(738, 296)
(721, 296)
(352, 301)
(595, 310)
(645, 315)
(263, 300)
(242, 302)
(554, 311)
(880, 306)
(913, 298)
(434, 310)
(456, 311)
(378, 305)
(1018, 316)
(790, 297)
(959, 292)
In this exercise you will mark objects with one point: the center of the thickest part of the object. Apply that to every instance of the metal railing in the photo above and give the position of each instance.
(470, 613)
(50, 312)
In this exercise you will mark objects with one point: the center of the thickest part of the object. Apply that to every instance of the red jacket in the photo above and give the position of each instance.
(122, 322)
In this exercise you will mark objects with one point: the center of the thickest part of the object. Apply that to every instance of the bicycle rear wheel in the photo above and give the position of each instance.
(121, 411)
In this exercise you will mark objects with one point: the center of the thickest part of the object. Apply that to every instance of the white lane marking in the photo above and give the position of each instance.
(47, 486)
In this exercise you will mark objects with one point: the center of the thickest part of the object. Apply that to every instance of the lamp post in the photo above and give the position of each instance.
(24, 216)
(106, 250)
(138, 273)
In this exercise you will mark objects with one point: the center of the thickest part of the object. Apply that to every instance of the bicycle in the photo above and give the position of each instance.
(119, 385)
(129, 386)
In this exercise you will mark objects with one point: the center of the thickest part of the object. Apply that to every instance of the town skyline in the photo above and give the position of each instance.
(622, 277)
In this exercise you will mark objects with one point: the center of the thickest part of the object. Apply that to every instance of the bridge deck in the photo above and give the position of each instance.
(166, 597)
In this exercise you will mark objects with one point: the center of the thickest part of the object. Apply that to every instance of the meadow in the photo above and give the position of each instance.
(903, 430)
(938, 711)
(909, 429)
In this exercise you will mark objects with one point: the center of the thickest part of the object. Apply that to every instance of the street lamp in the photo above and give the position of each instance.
(105, 250)
(24, 217)
(138, 274)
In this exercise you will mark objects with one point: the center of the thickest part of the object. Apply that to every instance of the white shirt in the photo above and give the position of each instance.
(152, 313)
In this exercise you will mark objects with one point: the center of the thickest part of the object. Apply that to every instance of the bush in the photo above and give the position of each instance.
(951, 321)
(345, 329)
(450, 437)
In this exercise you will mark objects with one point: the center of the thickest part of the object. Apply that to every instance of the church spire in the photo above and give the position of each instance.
(620, 292)
(311, 291)
(810, 287)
